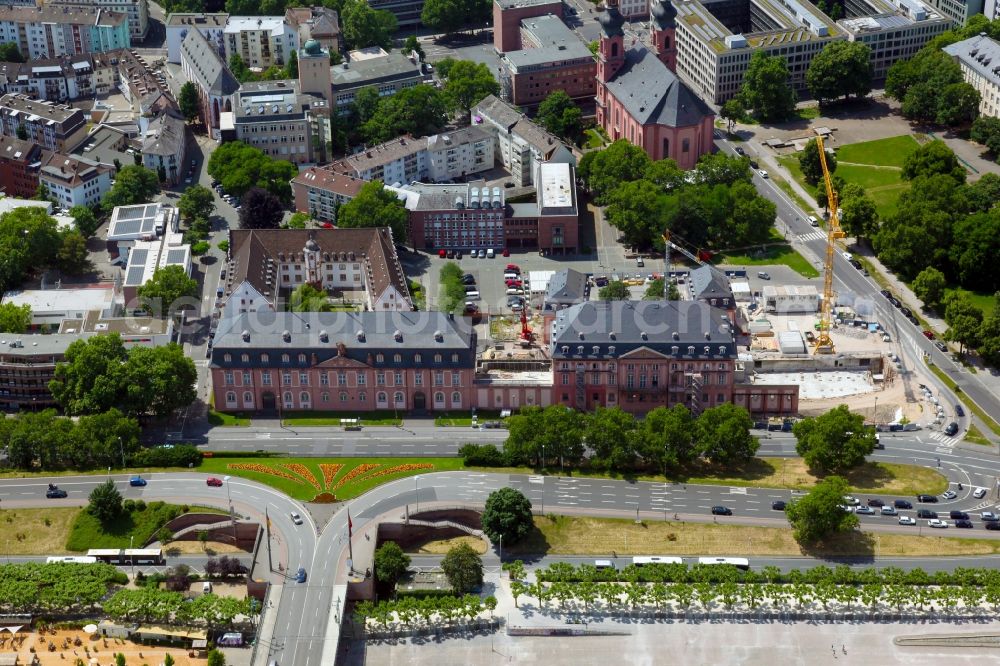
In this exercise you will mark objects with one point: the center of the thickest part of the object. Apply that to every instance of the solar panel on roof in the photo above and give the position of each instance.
(135, 274)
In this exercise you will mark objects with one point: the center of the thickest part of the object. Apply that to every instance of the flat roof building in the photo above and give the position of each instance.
(141, 222)
(389, 73)
(553, 58)
(146, 257)
(50, 306)
(281, 121)
(508, 15)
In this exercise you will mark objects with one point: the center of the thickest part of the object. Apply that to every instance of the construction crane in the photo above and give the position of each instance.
(667, 245)
(824, 345)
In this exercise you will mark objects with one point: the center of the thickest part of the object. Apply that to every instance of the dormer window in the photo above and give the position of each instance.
(285, 358)
(690, 350)
(611, 349)
(597, 350)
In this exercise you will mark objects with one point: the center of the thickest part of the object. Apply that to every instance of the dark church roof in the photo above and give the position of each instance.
(664, 14)
(652, 94)
(611, 21)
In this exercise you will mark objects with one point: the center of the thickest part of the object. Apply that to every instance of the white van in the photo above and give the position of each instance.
(511, 276)
(603, 564)
(206, 587)
(813, 221)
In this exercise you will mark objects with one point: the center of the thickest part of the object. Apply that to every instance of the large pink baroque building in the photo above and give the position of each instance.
(640, 98)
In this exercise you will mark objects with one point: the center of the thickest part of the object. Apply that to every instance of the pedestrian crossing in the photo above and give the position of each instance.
(816, 235)
(944, 439)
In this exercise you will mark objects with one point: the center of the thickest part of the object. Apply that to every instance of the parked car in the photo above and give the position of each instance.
(940, 524)
(213, 481)
(886, 293)
(55, 492)
(979, 493)
(865, 510)
(137, 481)
(739, 150)
(468, 278)
(851, 500)
(874, 501)
(959, 412)
(721, 511)
(778, 505)
(505, 252)
(949, 494)
(929, 335)
(941, 346)
(906, 520)
(902, 504)
(907, 312)
(992, 526)
(763, 173)
(442, 253)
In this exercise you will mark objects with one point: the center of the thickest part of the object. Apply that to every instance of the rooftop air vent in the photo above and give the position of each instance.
(246, 336)
(398, 336)
(324, 336)
(361, 336)
(286, 336)
(438, 336)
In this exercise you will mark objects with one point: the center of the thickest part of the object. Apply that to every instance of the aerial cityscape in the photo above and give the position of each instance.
(499, 331)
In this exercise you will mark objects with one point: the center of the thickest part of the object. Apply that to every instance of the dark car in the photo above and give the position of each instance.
(959, 411)
(754, 165)
(856, 264)
(778, 505)
(992, 526)
(914, 320)
(906, 312)
(886, 293)
(958, 515)
(468, 278)
(739, 150)
(941, 346)
(902, 504)
(601, 281)
(952, 429)
(895, 301)
(873, 501)
(55, 492)
(930, 499)
(926, 513)
(451, 254)
(967, 524)
(721, 511)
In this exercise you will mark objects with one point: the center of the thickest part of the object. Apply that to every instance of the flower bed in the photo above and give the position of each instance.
(330, 472)
(304, 472)
(263, 469)
(356, 472)
(399, 468)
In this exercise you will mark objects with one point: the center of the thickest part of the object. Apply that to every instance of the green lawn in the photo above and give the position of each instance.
(329, 478)
(88, 532)
(593, 139)
(983, 301)
(807, 113)
(465, 418)
(886, 152)
(320, 418)
(223, 419)
(773, 255)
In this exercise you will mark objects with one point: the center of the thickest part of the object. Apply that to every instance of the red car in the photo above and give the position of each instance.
(513, 267)
(214, 482)
(512, 283)
(327, 225)
(505, 252)
(442, 253)
(929, 335)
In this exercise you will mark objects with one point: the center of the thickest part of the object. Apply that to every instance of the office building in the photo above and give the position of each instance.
(508, 15)
(279, 120)
(387, 72)
(552, 58)
(979, 59)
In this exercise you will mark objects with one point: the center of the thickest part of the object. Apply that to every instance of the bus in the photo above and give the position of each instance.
(135, 556)
(643, 560)
(68, 559)
(739, 562)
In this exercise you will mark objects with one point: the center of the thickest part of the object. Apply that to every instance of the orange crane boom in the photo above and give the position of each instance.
(824, 345)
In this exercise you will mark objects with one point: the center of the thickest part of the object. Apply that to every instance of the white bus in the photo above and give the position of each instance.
(79, 559)
(643, 560)
(738, 562)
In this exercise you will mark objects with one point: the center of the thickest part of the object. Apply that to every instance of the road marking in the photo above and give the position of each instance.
(736, 490)
(540, 479)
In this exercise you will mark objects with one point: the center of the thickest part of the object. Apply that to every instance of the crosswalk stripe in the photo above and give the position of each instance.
(817, 235)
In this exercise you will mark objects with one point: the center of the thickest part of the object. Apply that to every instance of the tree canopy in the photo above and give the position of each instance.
(375, 206)
(29, 241)
(239, 167)
(134, 184)
(307, 298)
(766, 89)
(835, 441)
(105, 502)
(931, 89)
(390, 563)
(841, 69)
(723, 434)
(14, 318)
(419, 110)
(468, 83)
(858, 212)
(809, 162)
(929, 286)
(986, 130)
(464, 568)
(169, 290)
(187, 100)
(614, 291)
(507, 516)
(10, 53)
(260, 209)
(933, 158)
(196, 201)
(559, 114)
(363, 26)
(85, 220)
(818, 514)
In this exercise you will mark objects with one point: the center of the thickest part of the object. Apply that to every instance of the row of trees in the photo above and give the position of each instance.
(99, 374)
(449, 16)
(30, 241)
(614, 439)
(410, 612)
(715, 205)
(48, 442)
(36, 588)
(147, 604)
(240, 167)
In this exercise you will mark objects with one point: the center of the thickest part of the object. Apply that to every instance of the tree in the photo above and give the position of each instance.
(464, 568)
(986, 130)
(958, 105)
(307, 298)
(614, 291)
(292, 66)
(665, 437)
(841, 69)
(298, 220)
(22, 132)
(158, 380)
(560, 115)
(239, 167)
(366, 103)
(818, 514)
(929, 286)
(133, 185)
(657, 290)
(766, 89)
(610, 434)
(14, 318)
(72, 257)
(85, 220)
(239, 69)
(363, 26)
(732, 111)
(809, 162)
(390, 563)
(216, 658)
(169, 290)
(989, 334)
(419, 110)
(259, 209)
(835, 441)
(10, 53)
(196, 201)
(723, 434)
(722, 169)
(105, 502)
(375, 206)
(507, 516)
(919, 82)
(858, 212)
(443, 15)
(618, 163)
(187, 100)
(933, 158)
(964, 320)
(983, 194)
(412, 44)
(637, 209)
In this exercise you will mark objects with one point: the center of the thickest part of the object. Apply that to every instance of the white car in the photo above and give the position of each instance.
(763, 174)
(474, 254)
(853, 501)
(937, 522)
(296, 518)
(490, 253)
(846, 255)
(813, 221)
(989, 517)
(888, 511)
(949, 494)
(848, 509)
(979, 493)
(906, 520)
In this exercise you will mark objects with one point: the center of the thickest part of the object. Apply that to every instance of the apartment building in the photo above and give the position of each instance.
(715, 38)
(19, 165)
(266, 265)
(387, 72)
(163, 146)
(73, 180)
(211, 26)
(520, 144)
(261, 41)
(136, 11)
(202, 64)
(552, 58)
(55, 127)
(62, 79)
(281, 121)
(318, 23)
(321, 190)
(979, 59)
(54, 31)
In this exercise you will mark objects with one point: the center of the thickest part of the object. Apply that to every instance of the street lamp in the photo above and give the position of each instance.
(501, 550)
(232, 515)
(122, 446)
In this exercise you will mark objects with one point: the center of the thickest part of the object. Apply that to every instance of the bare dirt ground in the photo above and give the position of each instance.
(102, 650)
(209, 548)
